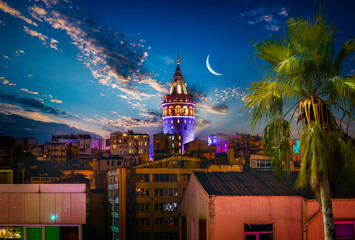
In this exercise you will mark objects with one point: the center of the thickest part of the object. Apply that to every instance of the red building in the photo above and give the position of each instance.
(254, 205)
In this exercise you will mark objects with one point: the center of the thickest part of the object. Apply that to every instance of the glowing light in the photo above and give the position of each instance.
(53, 217)
(179, 89)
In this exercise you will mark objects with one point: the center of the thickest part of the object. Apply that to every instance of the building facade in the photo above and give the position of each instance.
(42, 211)
(257, 206)
(165, 145)
(179, 109)
(130, 143)
(145, 201)
(56, 152)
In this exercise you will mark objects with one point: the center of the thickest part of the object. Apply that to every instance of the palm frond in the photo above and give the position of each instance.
(277, 135)
(273, 50)
(346, 51)
(266, 100)
(342, 92)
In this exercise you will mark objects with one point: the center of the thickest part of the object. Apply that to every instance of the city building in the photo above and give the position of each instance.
(85, 144)
(42, 211)
(26, 142)
(130, 143)
(198, 146)
(260, 161)
(81, 140)
(73, 139)
(220, 141)
(102, 145)
(165, 145)
(145, 201)
(256, 143)
(7, 159)
(37, 151)
(246, 205)
(56, 152)
(296, 144)
(179, 109)
(44, 179)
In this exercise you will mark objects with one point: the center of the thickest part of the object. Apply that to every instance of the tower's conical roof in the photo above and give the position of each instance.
(178, 86)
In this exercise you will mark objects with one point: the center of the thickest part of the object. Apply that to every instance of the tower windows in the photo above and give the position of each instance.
(184, 111)
(178, 110)
(171, 110)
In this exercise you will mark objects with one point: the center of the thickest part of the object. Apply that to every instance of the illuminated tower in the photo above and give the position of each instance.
(179, 109)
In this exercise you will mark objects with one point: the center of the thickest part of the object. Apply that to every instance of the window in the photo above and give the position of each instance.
(143, 235)
(166, 192)
(112, 163)
(166, 221)
(344, 230)
(165, 177)
(185, 177)
(142, 177)
(166, 236)
(108, 163)
(142, 192)
(169, 207)
(142, 221)
(259, 231)
(142, 206)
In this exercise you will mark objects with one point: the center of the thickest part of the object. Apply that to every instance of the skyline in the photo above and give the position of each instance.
(106, 66)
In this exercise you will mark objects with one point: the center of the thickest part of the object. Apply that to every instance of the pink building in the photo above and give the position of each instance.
(42, 211)
(255, 206)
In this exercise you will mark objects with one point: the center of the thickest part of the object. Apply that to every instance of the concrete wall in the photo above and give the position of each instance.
(42, 204)
(293, 217)
(230, 213)
(226, 215)
(343, 210)
(195, 205)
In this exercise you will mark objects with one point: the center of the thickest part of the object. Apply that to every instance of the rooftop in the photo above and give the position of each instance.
(178, 86)
(262, 183)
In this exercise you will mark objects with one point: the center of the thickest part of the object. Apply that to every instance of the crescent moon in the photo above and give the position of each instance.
(209, 66)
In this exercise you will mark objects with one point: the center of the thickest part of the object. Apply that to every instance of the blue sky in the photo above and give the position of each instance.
(102, 66)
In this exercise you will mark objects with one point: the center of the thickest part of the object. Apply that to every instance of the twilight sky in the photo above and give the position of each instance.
(102, 66)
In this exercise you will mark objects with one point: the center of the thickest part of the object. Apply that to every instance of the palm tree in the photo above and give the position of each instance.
(305, 80)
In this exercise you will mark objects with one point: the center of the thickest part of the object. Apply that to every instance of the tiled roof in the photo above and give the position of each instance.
(260, 183)
(178, 86)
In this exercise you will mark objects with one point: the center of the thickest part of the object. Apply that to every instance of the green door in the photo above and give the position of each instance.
(34, 233)
(52, 233)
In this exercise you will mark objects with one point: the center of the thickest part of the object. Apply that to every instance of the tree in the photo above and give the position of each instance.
(305, 80)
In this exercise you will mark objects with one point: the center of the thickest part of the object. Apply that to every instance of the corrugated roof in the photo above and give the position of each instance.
(260, 183)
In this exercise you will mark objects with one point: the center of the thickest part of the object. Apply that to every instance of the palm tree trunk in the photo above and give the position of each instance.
(326, 201)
